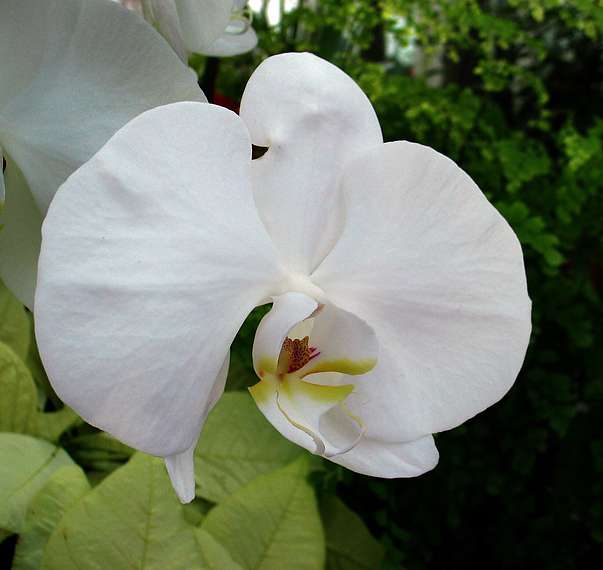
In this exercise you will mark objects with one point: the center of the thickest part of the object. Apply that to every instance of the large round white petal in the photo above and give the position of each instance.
(22, 37)
(203, 21)
(430, 264)
(73, 72)
(314, 119)
(152, 256)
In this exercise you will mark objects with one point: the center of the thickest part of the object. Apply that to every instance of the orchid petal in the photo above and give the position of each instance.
(314, 119)
(441, 281)
(389, 460)
(229, 45)
(202, 21)
(92, 77)
(143, 282)
(134, 5)
(375, 457)
(181, 466)
(74, 71)
(181, 470)
(163, 15)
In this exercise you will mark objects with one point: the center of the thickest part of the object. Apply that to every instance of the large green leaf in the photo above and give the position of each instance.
(350, 545)
(19, 402)
(14, 324)
(131, 520)
(238, 444)
(26, 464)
(270, 524)
(63, 490)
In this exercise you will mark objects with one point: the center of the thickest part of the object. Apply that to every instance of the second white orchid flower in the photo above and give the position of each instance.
(219, 28)
(400, 305)
(73, 72)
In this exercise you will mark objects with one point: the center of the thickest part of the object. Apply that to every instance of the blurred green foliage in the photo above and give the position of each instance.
(512, 91)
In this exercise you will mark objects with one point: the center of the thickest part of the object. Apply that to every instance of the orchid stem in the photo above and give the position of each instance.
(207, 82)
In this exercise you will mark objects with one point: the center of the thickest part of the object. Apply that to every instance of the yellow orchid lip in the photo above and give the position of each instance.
(292, 395)
(320, 395)
(300, 403)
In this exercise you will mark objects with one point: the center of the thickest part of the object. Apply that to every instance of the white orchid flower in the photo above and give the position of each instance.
(73, 73)
(219, 28)
(400, 306)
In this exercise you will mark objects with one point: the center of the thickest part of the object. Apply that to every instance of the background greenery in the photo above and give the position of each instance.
(512, 91)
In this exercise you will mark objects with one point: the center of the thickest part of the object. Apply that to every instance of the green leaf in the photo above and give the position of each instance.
(34, 363)
(213, 554)
(19, 403)
(240, 372)
(61, 492)
(51, 425)
(131, 520)
(270, 524)
(238, 444)
(99, 451)
(350, 545)
(26, 464)
(14, 324)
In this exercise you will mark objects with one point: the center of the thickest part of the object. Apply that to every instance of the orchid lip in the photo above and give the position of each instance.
(323, 447)
(302, 351)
